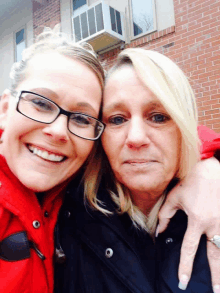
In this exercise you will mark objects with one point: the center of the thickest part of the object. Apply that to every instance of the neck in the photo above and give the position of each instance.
(145, 201)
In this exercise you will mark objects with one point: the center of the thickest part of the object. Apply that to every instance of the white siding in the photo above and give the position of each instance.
(16, 19)
(66, 16)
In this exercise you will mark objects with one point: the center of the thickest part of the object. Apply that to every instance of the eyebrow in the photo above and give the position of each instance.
(85, 105)
(45, 92)
(122, 105)
(115, 106)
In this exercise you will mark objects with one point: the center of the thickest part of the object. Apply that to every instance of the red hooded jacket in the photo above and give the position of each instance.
(23, 268)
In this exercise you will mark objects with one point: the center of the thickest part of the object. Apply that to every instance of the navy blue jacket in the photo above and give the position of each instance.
(109, 255)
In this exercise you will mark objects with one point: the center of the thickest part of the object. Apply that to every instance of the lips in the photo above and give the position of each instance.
(139, 161)
(45, 154)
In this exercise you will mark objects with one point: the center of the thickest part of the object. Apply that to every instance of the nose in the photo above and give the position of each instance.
(137, 135)
(58, 129)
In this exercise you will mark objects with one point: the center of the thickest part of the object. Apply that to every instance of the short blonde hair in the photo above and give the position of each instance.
(170, 85)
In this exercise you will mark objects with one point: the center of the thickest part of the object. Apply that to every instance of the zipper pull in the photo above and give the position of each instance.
(33, 245)
(60, 256)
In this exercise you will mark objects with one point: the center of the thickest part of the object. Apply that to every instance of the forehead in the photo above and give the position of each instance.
(124, 73)
(54, 62)
(54, 70)
(123, 79)
(124, 85)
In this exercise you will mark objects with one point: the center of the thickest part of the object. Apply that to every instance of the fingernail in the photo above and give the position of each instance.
(157, 230)
(183, 282)
(216, 289)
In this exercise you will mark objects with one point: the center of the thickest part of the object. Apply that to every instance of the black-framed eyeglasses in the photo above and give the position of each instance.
(43, 110)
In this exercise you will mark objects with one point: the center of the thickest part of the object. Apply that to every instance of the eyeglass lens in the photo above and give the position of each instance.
(43, 110)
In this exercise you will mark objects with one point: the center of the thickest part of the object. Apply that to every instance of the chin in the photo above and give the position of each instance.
(37, 184)
(36, 188)
(144, 185)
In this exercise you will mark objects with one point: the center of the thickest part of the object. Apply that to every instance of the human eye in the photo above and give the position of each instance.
(42, 104)
(159, 118)
(81, 120)
(116, 120)
(38, 103)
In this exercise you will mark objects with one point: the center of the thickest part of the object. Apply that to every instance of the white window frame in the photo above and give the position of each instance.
(15, 44)
(133, 37)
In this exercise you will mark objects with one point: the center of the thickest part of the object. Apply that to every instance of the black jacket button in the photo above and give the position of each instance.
(46, 214)
(67, 214)
(169, 240)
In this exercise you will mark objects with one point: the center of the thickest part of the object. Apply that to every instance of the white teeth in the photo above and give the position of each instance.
(45, 155)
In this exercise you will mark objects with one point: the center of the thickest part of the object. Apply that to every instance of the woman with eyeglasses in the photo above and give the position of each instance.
(50, 123)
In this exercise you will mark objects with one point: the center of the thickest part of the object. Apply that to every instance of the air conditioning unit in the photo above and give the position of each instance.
(100, 25)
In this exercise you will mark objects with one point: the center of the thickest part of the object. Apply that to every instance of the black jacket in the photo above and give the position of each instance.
(109, 255)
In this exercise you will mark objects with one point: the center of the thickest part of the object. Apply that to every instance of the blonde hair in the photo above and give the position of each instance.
(50, 40)
(170, 85)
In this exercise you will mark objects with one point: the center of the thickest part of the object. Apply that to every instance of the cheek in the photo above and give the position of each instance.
(175, 140)
(82, 148)
(109, 146)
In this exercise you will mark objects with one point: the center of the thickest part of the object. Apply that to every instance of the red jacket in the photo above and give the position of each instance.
(210, 142)
(19, 209)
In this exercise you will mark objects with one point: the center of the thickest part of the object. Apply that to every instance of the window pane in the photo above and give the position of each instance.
(99, 17)
(142, 16)
(118, 20)
(84, 25)
(113, 21)
(78, 3)
(19, 48)
(77, 29)
(91, 18)
(19, 36)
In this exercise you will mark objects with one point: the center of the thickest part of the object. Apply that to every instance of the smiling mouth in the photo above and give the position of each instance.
(48, 156)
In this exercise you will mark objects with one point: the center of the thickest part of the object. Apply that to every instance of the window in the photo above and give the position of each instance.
(115, 20)
(143, 16)
(78, 3)
(19, 44)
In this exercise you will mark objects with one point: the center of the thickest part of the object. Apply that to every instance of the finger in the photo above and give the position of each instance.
(213, 253)
(169, 208)
(167, 211)
(188, 250)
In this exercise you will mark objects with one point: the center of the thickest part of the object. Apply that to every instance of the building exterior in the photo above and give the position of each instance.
(187, 31)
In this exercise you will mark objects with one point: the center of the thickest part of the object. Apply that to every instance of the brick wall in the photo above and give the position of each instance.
(45, 13)
(194, 44)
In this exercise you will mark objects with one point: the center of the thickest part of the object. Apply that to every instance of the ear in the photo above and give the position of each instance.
(4, 106)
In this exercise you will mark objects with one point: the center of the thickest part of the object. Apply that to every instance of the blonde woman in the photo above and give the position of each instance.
(50, 124)
(150, 143)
